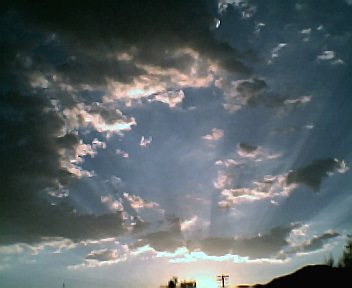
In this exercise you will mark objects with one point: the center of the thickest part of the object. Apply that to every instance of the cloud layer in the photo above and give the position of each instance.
(115, 47)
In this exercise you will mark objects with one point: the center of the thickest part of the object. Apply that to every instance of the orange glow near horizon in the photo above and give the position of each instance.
(206, 282)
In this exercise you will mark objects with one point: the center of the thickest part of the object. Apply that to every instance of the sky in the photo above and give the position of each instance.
(145, 139)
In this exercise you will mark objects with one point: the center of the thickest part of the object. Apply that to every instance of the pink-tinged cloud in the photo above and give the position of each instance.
(188, 224)
(216, 135)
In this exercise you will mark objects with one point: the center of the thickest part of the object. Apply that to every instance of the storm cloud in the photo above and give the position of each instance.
(148, 31)
(167, 240)
(316, 243)
(261, 246)
(313, 174)
(41, 145)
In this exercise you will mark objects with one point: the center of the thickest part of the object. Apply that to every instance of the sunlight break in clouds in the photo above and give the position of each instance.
(102, 118)
(188, 224)
(166, 85)
(271, 189)
(184, 255)
(200, 256)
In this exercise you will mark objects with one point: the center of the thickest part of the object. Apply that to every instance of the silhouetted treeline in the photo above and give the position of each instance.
(329, 275)
(312, 276)
(345, 260)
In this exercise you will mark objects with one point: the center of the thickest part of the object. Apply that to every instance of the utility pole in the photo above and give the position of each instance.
(222, 278)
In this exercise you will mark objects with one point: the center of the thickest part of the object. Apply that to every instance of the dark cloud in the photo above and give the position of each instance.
(96, 72)
(140, 226)
(166, 240)
(261, 246)
(316, 243)
(313, 174)
(163, 241)
(56, 45)
(31, 144)
(149, 30)
(247, 147)
(256, 92)
(33, 219)
(250, 91)
(217, 246)
(34, 152)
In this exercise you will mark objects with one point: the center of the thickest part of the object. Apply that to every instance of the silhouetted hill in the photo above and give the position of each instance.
(312, 276)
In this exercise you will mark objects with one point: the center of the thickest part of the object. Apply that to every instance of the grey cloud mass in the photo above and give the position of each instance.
(164, 240)
(39, 146)
(313, 174)
(247, 147)
(97, 72)
(161, 241)
(36, 154)
(145, 29)
(261, 246)
(316, 243)
(250, 91)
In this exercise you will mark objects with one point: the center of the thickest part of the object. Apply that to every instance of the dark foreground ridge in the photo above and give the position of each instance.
(312, 276)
